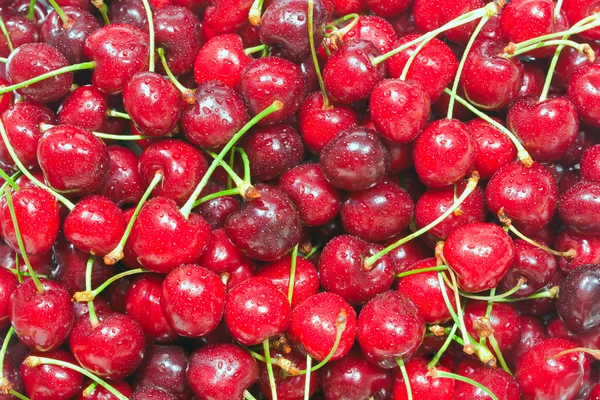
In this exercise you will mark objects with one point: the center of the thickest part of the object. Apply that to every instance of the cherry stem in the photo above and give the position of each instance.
(18, 269)
(6, 183)
(251, 50)
(150, 33)
(492, 298)
(307, 379)
(544, 294)
(583, 48)
(245, 162)
(522, 153)
(462, 63)
(5, 385)
(444, 347)
(292, 282)
(413, 56)
(340, 323)
(435, 373)
(84, 297)
(87, 392)
(312, 251)
(189, 205)
(44, 127)
(117, 114)
(498, 353)
(471, 185)
(313, 54)
(94, 322)
(333, 24)
(468, 348)
(18, 395)
(222, 193)
(244, 187)
(66, 20)
(8, 180)
(267, 351)
(31, 10)
(248, 395)
(6, 35)
(421, 270)
(400, 362)
(13, 216)
(117, 253)
(557, 8)
(592, 352)
(3, 60)
(188, 94)
(34, 361)
(255, 12)
(20, 274)
(103, 8)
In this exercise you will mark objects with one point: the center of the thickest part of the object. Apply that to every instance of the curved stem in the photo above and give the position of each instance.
(189, 205)
(248, 395)
(18, 395)
(545, 294)
(498, 353)
(6, 35)
(222, 193)
(256, 49)
(413, 56)
(421, 270)
(150, 18)
(313, 54)
(245, 188)
(592, 352)
(444, 347)
(270, 369)
(86, 296)
(292, 281)
(9, 181)
(56, 72)
(94, 322)
(103, 8)
(409, 394)
(492, 297)
(435, 373)
(468, 347)
(117, 114)
(583, 48)
(31, 10)
(66, 20)
(188, 94)
(557, 8)
(4, 383)
(117, 253)
(44, 127)
(307, 379)
(255, 12)
(341, 327)
(245, 163)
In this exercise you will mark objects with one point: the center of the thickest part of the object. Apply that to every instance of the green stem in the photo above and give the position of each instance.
(421, 270)
(443, 349)
(231, 165)
(488, 311)
(245, 163)
(87, 392)
(6, 35)
(117, 114)
(413, 56)
(66, 20)
(94, 322)
(101, 6)
(267, 350)
(44, 127)
(582, 48)
(492, 297)
(313, 250)
(255, 12)
(450, 375)
(150, 18)
(341, 327)
(189, 205)
(188, 94)
(251, 50)
(222, 193)
(459, 313)
(51, 74)
(546, 294)
(292, 282)
(557, 8)
(18, 269)
(567, 254)
(230, 172)
(498, 353)
(18, 395)
(5, 343)
(409, 394)
(307, 379)
(248, 395)
(13, 216)
(90, 295)
(9, 180)
(31, 10)
(313, 54)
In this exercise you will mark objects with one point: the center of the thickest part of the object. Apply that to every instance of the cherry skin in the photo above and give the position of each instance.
(579, 9)
(579, 91)
(498, 381)
(422, 385)
(216, 211)
(100, 393)
(318, 202)
(188, 292)
(8, 99)
(306, 280)
(119, 52)
(42, 321)
(533, 80)
(113, 349)
(222, 59)
(532, 332)
(123, 185)
(46, 382)
(8, 284)
(12, 373)
(389, 326)
(590, 164)
(73, 160)
(577, 305)
(267, 227)
(375, 29)
(569, 61)
(342, 271)
(353, 377)
(579, 205)
(288, 387)
(225, 16)
(153, 103)
(494, 149)
(528, 195)
(268, 79)
(407, 254)
(85, 107)
(38, 218)
(152, 392)
(349, 74)
(313, 327)
(256, 310)
(344, 7)
(480, 254)
(356, 159)
(399, 109)
(449, 12)
(217, 114)
(272, 151)
(182, 166)
(163, 239)
(21, 31)
(129, 13)
(541, 376)
(587, 249)
(164, 367)
(34, 59)
(377, 213)
(504, 320)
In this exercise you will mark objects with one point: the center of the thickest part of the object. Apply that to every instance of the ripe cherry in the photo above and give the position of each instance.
(222, 59)
(498, 381)
(580, 92)
(375, 29)
(494, 149)
(422, 385)
(407, 254)
(8, 284)
(123, 185)
(577, 304)
(579, 205)
(20, 29)
(85, 107)
(224, 16)
(165, 367)
(579, 9)
(128, 12)
(51, 381)
(590, 164)
(288, 386)
(504, 322)
(586, 249)
(216, 211)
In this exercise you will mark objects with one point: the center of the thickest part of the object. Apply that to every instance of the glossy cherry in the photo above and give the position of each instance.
(504, 321)
(577, 304)
(51, 381)
(8, 284)
(498, 381)
(20, 29)
(580, 92)
(222, 59)
(494, 148)
(225, 16)
(578, 205)
(288, 386)
(422, 385)
(590, 164)
(216, 211)
(100, 393)
(85, 107)
(128, 12)
(407, 254)
(449, 12)
(123, 185)
(579, 9)
(586, 247)
(165, 367)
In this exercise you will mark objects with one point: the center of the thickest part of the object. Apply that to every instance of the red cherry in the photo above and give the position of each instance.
(577, 305)
(407, 254)
(533, 80)
(100, 393)
(222, 59)
(20, 29)
(376, 30)
(586, 247)
(123, 185)
(165, 367)
(85, 107)
(498, 381)
(576, 10)
(225, 16)
(580, 92)
(422, 385)
(578, 207)
(128, 12)
(8, 284)
(450, 11)
(46, 382)
(217, 210)
(504, 320)
(590, 164)
(494, 148)
(288, 386)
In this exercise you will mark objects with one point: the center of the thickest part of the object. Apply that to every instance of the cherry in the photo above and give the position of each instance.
(590, 164)
(152, 392)
(344, 7)
(113, 349)
(494, 149)
(217, 114)
(423, 289)
(451, 11)
(267, 227)
(8, 284)
(288, 386)
(527, 195)
(407, 254)
(577, 304)
(504, 322)
(399, 109)
(434, 66)
(498, 381)
(12, 374)
(349, 73)
(284, 25)
(376, 30)
(85, 107)
(179, 31)
(82, 309)
(586, 249)
(268, 79)
(225, 16)
(119, 51)
(389, 326)
(377, 213)
(222, 59)
(51, 381)
(578, 9)
(165, 367)
(569, 61)
(532, 332)
(256, 310)
(580, 92)
(123, 185)
(313, 327)
(542, 376)
(579, 205)
(318, 202)
(21, 31)
(342, 270)
(533, 80)
(42, 320)
(128, 12)
(306, 280)
(163, 239)
(272, 151)
(100, 393)
(216, 211)
(422, 385)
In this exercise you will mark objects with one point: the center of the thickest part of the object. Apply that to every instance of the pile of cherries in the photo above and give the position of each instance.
(300, 199)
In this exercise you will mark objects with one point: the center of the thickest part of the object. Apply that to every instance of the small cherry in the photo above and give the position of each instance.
(288, 386)
(20, 29)
(494, 149)
(8, 284)
(85, 107)
(497, 381)
(422, 385)
(128, 12)
(504, 323)
(165, 367)
(407, 254)
(215, 211)
(100, 393)
(222, 59)
(123, 185)
(580, 92)
(375, 29)
(577, 304)
(585, 247)
(590, 164)
(579, 205)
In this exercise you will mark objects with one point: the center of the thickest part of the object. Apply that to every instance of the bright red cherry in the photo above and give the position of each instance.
(576, 10)
(580, 91)
(578, 207)
(586, 247)
(498, 381)
(375, 29)
(422, 385)
(8, 284)
(85, 107)
(504, 321)
(590, 164)
(222, 59)
(494, 148)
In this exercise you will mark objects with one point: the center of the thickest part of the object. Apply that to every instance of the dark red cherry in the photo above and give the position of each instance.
(541, 376)
(532, 263)
(480, 254)
(408, 253)
(217, 114)
(422, 385)
(306, 279)
(578, 207)
(451, 11)
(153, 103)
(569, 61)
(272, 151)
(534, 76)
(179, 32)
(528, 195)
(123, 185)
(376, 30)
(256, 310)
(498, 381)
(532, 332)
(389, 326)
(288, 386)
(100, 305)
(85, 107)
(580, 91)
(222, 59)
(34, 59)
(504, 320)
(49, 382)
(342, 270)
(163, 239)
(225, 16)
(165, 367)
(494, 148)
(21, 31)
(586, 247)
(590, 164)
(576, 10)
(404, 24)
(119, 52)
(12, 373)
(267, 227)
(349, 74)
(353, 377)
(399, 109)
(188, 292)
(434, 67)
(268, 79)
(586, 137)
(356, 159)
(128, 12)
(43, 320)
(443, 153)
(152, 392)
(181, 164)
(8, 284)
(377, 213)
(100, 393)
(216, 211)
(578, 302)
